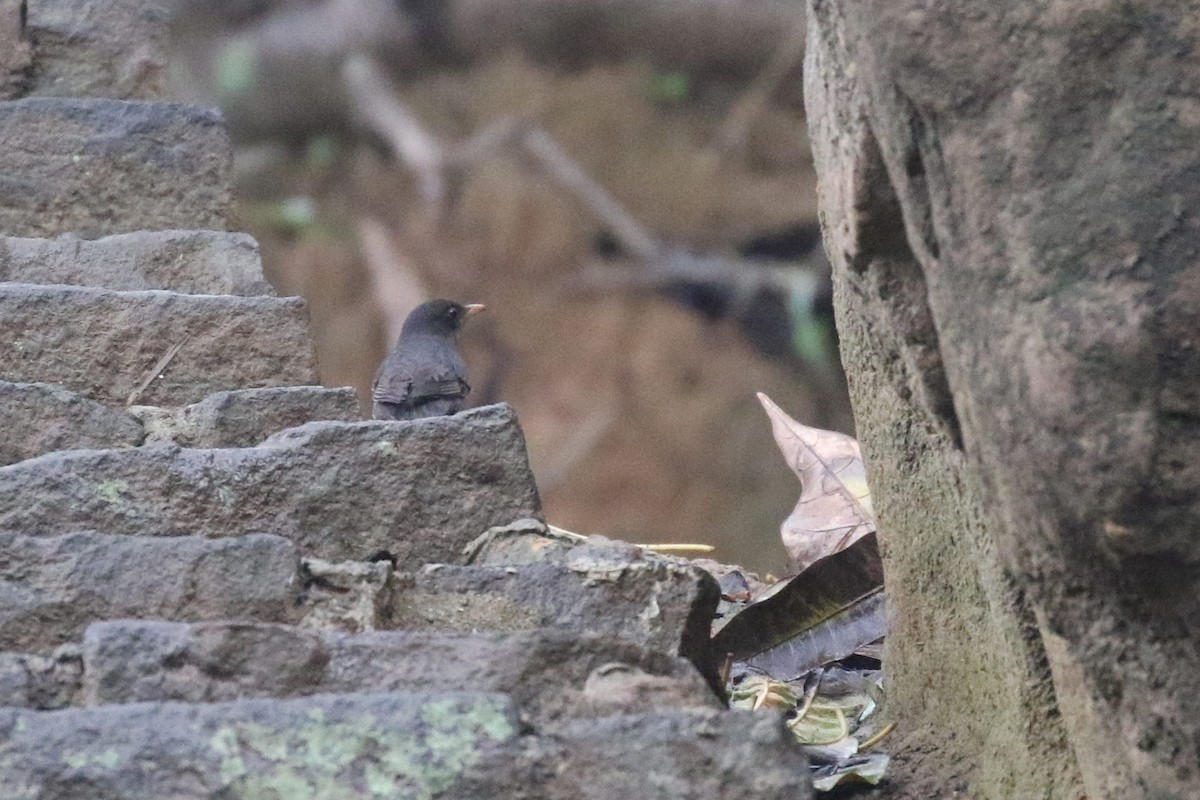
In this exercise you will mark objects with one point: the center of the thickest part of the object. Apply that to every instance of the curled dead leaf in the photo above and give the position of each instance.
(834, 509)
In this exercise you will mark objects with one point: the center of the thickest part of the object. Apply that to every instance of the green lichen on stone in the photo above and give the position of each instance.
(106, 759)
(319, 759)
(387, 448)
(113, 491)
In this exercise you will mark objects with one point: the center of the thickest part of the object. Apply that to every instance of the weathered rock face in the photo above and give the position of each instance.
(89, 166)
(50, 682)
(52, 588)
(393, 745)
(601, 587)
(245, 417)
(544, 671)
(1005, 197)
(105, 344)
(39, 418)
(97, 47)
(419, 490)
(188, 262)
(396, 745)
(669, 756)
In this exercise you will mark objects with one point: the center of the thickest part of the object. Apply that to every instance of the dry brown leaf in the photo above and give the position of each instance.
(834, 509)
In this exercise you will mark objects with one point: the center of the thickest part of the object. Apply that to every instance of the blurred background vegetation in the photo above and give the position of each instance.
(627, 186)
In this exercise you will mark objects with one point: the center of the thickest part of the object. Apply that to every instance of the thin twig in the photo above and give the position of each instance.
(632, 235)
(878, 737)
(156, 371)
(732, 133)
(579, 445)
(376, 103)
(679, 547)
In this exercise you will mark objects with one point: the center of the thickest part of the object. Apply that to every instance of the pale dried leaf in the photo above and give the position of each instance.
(834, 509)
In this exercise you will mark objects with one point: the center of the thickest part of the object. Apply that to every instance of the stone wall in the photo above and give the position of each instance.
(215, 581)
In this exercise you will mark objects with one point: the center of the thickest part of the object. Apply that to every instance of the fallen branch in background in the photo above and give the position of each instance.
(274, 66)
(717, 285)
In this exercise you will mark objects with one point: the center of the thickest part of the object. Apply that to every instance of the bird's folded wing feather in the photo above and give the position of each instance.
(423, 382)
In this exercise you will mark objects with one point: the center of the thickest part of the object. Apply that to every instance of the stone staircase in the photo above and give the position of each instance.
(216, 582)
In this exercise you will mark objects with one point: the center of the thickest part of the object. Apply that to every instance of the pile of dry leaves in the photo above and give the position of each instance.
(810, 645)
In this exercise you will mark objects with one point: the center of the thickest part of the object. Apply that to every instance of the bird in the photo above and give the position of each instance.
(424, 375)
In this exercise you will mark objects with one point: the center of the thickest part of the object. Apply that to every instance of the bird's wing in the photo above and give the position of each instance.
(409, 384)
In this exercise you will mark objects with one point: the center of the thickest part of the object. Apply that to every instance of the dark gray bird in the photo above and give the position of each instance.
(423, 375)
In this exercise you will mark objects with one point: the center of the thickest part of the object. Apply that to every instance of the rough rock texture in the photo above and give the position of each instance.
(38, 418)
(188, 262)
(245, 417)
(1008, 195)
(108, 48)
(105, 344)
(546, 672)
(347, 596)
(396, 746)
(716, 755)
(522, 541)
(341, 490)
(43, 682)
(90, 167)
(601, 587)
(373, 745)
(52, 588)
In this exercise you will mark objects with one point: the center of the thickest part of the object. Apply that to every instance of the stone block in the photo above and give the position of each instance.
(549, 673)
(43, 682)
(103, 48)
(711, 755)
(188, 262)
(392, 745)
(52, 588)
(602, 587)
(106, 345)
(398, 746)
(95, 167)
(346, 596)
(245, 417)
(341, 490)
(39, 418)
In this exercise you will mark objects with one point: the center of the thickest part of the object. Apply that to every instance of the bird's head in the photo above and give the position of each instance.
(438, 318)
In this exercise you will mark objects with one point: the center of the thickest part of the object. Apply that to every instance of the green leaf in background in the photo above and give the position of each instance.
(669, 87)
(322, 150)
(236, 67)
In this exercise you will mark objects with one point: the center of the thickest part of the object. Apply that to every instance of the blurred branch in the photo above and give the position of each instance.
(634, 238)
(275, 66)
(378, 107)
(732, 134)
(717, 285)
(437, 164)
(397, 287)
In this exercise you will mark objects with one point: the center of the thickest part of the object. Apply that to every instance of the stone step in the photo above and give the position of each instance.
(46, 682)
(245, 417)
(39, 418)
(95, 167)
(550, 673)
(109, 48)
(106, 344)
(341, 490)
(395, 745)
(601, 586)
(188, 262)
(357, 746)
(52, 588)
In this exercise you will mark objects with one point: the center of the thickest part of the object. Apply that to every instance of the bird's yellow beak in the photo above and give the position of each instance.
(474, 308)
